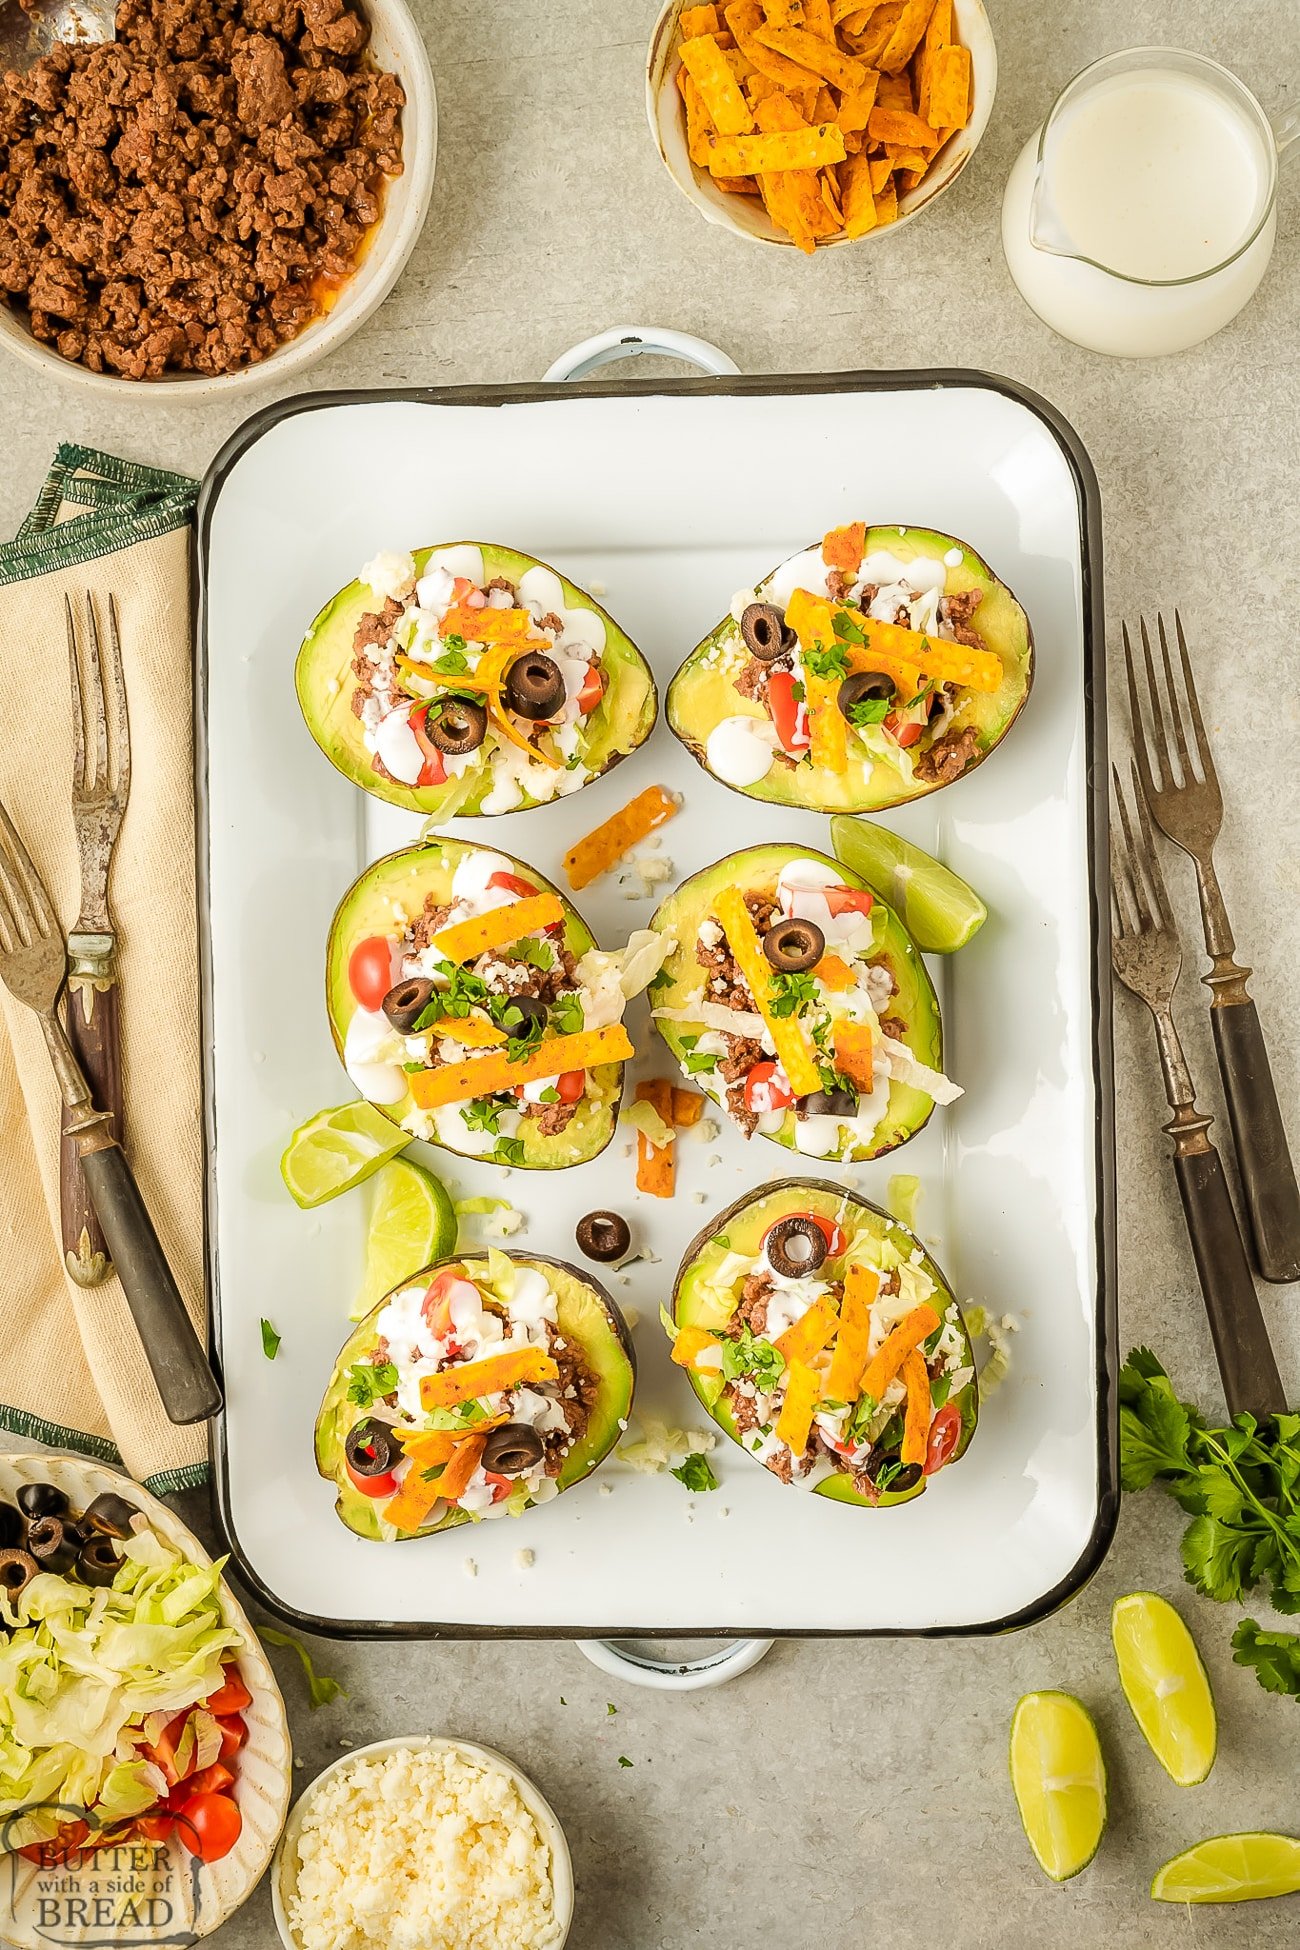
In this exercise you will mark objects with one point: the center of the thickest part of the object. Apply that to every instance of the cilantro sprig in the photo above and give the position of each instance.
(695, 1473)
(828, 661)
(790, 995)
(370, 1381)
(752, 1359)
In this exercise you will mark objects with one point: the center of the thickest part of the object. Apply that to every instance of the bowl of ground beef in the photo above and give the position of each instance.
(219, 196)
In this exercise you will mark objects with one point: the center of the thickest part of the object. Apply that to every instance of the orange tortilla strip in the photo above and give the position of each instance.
(786, 1033)
(834, 974)
(690, 1343)
(842, 548)
(911, 1330)
(802, 1392)
(688, 1107)
(471, 1032)
(869, 644)
(827, 725)
(907, 35)
(744, 18)
(911, 162)
(855, 1048)
(656, 1164)
(916, 1416)
(413, 1501)
(844, 1382)
(856, 104)
(759, 155)
(895, 91)
(698, 126)
(698, 20)
(484, 1076)
(900, 126)
(454, 1481)
(470, 1380)
(596, 852)
(812, 1332)
(809, 51)
(428, 1448)
(873, 39)
(467, 940)
(719, 91)
(856, 196)
(949, 75)
(937, 35)
(881, 168)
(489, 625)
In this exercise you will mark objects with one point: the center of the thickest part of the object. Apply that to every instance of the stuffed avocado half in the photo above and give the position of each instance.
(861, 673)
(471, 678)
(478, 1388)
(798, 1001)
(821, 1336)
(468, 1001)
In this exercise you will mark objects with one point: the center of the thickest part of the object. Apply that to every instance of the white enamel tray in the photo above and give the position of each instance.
(665, 496)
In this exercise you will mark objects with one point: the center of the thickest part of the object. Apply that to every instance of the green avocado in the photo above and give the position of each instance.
(703, 691)
(915, 1003)
(388, 895)
(585, 1315)
(741, 1228)
(325, 684)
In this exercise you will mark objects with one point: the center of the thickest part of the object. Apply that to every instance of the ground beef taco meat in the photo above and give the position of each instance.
(188, 197)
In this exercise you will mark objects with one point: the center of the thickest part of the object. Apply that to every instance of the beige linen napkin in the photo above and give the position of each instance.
(72, 1371)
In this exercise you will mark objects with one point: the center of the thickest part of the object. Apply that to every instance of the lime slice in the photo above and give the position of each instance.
(412, 1222)
(336, 1149)
(1165, 1684)
(1230, 1869)
(1060, 1781)
(937, 908)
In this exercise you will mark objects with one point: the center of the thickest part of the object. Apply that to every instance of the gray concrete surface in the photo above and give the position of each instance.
(841, 1793)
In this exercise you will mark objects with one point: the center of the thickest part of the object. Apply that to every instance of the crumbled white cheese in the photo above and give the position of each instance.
(525, 1560)
(415, 1848)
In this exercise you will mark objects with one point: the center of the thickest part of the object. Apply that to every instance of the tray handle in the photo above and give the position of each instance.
(628, 341)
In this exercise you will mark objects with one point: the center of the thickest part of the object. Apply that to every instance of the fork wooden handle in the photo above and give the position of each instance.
(173, 1350)
(92, 1024)
(1268, 1180)
(1251, 1382)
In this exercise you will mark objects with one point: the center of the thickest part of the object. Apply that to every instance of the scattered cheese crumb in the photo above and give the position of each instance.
(479, 1880)
(470, 1568)
(525, 1559)
(607, 1489)
(697, 1198)
(632, 1315)
(714, 1158)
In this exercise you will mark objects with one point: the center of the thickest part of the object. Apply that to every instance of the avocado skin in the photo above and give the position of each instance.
(916, 1002)
(587, 1315)
(412, 873)
(624, 718)
(1000, 619)
(754, 1213)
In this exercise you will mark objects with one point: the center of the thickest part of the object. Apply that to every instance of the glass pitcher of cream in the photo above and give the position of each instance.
(1141, 216)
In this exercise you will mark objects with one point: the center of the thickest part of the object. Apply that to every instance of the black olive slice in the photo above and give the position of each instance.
(827, 1103)
(764, 629)
(49, 1544)
(534, 686)
(371, 1448)
(865, 685)
(795, 1247)
(110, 1513)
(97, 1561)
(905, 1478)
(512, 1450)
(515, 1013)
(40, 1500)
(603, 1235)
(794, 945)
(407, 1001)
(11, 1526)
(456, 724)
(17, 1569)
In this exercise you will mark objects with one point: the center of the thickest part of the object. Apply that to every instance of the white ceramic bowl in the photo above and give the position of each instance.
(745, 216)
(285, 1873)
(397, 47)
(195, 1897)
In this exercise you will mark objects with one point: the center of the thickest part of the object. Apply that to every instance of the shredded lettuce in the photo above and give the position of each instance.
(321, 1689)
(903, 1197)
(661, 1445)
(85, 1673)
(645, 1118)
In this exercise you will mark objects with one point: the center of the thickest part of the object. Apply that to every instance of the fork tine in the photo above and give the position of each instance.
(1175, 707)
(1133, 878)
(11, 895)
(1135, 713)
(1203, 751)
(98, 722)
(78, 734)
(118, 722)
(8, 936)
(21, 878)
(1165, 767)
(1150, 859)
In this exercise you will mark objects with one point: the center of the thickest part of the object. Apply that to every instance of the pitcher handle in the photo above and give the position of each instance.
(1286, 128)
(627, 341)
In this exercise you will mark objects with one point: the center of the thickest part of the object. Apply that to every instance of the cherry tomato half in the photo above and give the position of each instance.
(903, 734)
(593, 689)
(376, 1486)
(501, 1485)
(209, 1780)
(233, 1734)
(434, 772)
(849, 900)
(209, 1825)
(164, 1750)
(156, 1826)
(571, 1085)
(232, 1696)
(370, 970)
(62, 1848)
(513, 883)
(765, 1091)
(945, 1434)
(788, 715)
(436, 1306)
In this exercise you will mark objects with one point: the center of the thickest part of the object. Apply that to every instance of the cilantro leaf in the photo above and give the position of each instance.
(1275, 1656)
(369, 1381)
(788, 995)
(1216, 1557)
(847, 628)
(869, 710)
(752, 1359)
(508, 1151)
(696, 1474)
(823, 662)
(270, 1341)
(623, 1761)
(566, 1010)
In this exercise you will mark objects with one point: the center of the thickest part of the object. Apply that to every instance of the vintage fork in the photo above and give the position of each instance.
(1147, 960)
(1189, 810)
(33, 964)
(101, 780)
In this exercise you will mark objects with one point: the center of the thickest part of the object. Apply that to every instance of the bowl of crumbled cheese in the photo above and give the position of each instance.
(422, 1843)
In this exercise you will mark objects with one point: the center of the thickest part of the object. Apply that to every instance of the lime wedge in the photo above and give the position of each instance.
(1060, 1781)
(1165, 1684)
(1230, 1869)
(412, 1221)
(336, 1149)
(937, 908)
